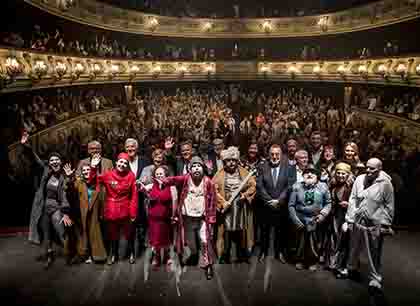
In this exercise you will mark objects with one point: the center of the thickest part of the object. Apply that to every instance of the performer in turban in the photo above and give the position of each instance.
(235, 220)
(120, 211)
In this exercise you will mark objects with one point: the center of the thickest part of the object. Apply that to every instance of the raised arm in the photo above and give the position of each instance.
(27, 149)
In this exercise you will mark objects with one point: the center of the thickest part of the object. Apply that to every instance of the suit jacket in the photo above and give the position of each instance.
(266, 190)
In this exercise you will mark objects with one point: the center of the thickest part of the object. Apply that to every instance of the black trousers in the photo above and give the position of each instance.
(274, 232)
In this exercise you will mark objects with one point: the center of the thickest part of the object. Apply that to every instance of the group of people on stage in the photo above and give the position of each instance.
(297, 205)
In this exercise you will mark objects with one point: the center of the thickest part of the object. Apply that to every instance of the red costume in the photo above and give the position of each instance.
(121, 193)
(159, 217)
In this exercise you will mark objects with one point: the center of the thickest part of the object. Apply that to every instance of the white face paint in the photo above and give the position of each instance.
(122, 165)
(197, 170)
(86, 172)
(55, 163)
(310, 178)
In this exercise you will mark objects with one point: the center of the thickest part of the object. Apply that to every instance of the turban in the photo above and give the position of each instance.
(230, 153)
(343, 167)
(123, 156)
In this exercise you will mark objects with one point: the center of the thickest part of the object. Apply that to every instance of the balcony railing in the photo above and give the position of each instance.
(25, 70)
(105, 16)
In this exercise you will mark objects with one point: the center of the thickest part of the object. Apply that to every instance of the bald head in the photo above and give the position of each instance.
(373, 167)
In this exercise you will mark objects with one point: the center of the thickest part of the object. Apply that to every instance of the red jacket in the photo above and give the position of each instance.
(121, 193)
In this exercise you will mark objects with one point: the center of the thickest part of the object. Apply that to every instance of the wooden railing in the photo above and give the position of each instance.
(98, 14)
(58, 133)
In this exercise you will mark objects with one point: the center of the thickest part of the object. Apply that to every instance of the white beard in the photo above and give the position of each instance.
(310, 181)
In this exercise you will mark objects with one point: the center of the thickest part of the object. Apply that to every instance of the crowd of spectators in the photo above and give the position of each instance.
(235, 113)
(41, 111)
(405, 103)
(235, 8)
(111, 45)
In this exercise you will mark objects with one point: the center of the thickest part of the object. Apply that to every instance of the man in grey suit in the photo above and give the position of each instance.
(273, 188)
(95, 147)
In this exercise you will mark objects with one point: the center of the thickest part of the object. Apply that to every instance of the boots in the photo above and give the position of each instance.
(112, 252)
(132, 258)
(156, 259)
(50, 259)
(209, 272)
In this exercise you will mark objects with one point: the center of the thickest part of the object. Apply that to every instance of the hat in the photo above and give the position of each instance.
(123, 155)
(343, 167)
(310, 168)
(230, 153)
(196, 160)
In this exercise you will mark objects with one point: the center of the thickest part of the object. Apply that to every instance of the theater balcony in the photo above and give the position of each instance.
(24, 70)
(105, 16)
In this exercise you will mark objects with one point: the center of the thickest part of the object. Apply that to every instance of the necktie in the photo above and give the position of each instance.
(275, 173)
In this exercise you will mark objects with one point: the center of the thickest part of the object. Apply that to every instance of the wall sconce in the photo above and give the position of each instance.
(265, 68)
(207, 26)
(383, 71)
(96, 69)
(156, 69)
(317, 70)
(323, 23)
(267, 26)
(13, 67)
(182, 69)
(292, 70)
(402, 69)
(210, 68)
(113, 70)
(418, 69)
(153, 23)
(78, 70)
(39, 69)
(342, 70)
(363, 70)
(134, 69)
(60, 69)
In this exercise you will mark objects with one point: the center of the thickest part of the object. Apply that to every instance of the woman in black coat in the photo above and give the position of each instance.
(50, 208)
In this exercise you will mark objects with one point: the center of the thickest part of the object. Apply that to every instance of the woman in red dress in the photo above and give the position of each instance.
(161, 207)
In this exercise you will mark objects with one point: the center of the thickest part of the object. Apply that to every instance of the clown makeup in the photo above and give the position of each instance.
(341, 176)
(310, 178)
(55, 163)
(86, 172)
(197, 170)
(122, 165)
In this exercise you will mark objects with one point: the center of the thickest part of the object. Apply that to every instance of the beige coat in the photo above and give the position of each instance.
(248, 193)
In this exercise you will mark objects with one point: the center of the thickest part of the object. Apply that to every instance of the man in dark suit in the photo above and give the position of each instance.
(179, 165)
(215, 161)
(274, 184)
(137, 164)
